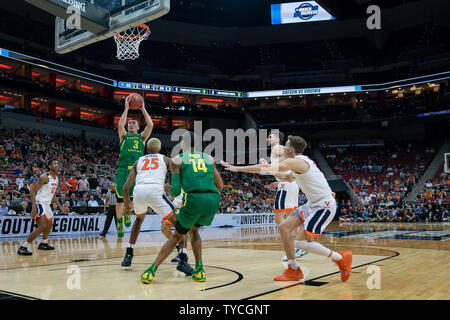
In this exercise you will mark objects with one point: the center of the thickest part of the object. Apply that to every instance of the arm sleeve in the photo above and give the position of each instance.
(175, 189)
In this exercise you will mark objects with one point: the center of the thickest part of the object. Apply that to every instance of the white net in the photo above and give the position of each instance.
(128, 42)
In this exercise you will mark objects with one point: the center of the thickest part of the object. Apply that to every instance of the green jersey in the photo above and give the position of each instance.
(131, 149)
(197, 173)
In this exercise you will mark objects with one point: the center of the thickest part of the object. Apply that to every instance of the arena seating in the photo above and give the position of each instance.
(383, 176)
(98, 159)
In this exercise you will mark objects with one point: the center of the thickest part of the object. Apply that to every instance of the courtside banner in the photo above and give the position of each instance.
(153, 222)
(296, 12)
(11, 226)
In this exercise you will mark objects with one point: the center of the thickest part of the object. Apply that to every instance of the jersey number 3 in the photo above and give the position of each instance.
(155, 164)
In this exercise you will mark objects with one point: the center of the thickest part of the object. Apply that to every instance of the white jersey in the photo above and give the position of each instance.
(151, 169)
(286, 198)
(312, 183)
(47, 191)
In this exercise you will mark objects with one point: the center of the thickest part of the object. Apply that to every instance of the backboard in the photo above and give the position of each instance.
(100, 19)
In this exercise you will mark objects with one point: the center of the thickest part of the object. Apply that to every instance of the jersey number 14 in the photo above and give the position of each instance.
(199, 165)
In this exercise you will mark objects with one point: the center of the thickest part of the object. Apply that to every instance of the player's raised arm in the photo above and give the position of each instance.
(149, 124)
(123, 121)
(42, 180)
(296, 165)
(126, 188)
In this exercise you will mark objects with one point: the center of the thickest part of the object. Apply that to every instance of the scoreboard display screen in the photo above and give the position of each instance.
(297, 12)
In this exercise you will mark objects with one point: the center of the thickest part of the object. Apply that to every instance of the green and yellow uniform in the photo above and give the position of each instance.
(201, 201)
(131, 149)
(201, 198)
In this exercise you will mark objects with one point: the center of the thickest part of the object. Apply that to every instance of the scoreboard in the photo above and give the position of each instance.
(145, 86)
(185, 90)
(209, 92)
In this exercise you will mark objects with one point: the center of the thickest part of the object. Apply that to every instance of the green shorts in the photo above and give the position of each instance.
(198, 208)
(121, 178)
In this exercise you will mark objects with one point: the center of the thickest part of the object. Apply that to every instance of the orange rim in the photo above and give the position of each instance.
(138, 36)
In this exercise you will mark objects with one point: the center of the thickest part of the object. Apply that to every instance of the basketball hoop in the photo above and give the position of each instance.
(128, 42)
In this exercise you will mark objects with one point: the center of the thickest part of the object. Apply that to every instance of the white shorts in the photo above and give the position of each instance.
(44, 209)
(287, 196)
(315, 217)
(145, 196)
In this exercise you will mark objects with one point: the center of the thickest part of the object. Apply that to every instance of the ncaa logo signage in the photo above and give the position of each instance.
(297, 12)
(306, 11)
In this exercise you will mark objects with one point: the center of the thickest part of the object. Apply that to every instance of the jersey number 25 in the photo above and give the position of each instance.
(155, 164)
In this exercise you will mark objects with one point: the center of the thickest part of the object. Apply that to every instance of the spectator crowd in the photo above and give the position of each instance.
(380, 176)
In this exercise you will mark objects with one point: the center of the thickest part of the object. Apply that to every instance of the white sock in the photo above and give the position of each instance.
(335, 256)
(44, 241)
(26, 244)
(293, 264)
(130, 245)
(184, 250)
(317, 248)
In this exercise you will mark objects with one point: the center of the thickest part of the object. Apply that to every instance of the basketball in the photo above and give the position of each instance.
(135, 101)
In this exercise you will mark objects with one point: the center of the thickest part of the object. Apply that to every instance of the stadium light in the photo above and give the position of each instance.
(212, 100)
(122, 93)
(86, 114)
(60, 108)
(4, 97)
(5, 66)
(86, 87)
(152, 95)
(35, 74)
(60, 80)
(177, 97)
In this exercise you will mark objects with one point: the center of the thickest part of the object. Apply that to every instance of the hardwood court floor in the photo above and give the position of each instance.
(240, 263)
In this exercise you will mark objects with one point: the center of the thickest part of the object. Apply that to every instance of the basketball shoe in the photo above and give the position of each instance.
(290, 275)
(148, 275)
(128, 258)
(183, 265)
(199, 275)
(23, 251)
(45, 246)
(345, 265)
